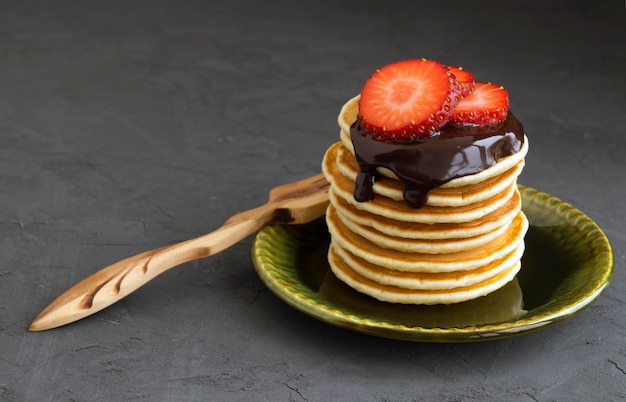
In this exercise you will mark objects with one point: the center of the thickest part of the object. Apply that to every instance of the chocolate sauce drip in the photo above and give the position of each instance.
(429, 162)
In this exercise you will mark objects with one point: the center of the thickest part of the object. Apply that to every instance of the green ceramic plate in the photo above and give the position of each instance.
(567, 265)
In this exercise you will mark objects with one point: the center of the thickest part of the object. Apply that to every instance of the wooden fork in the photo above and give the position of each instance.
(298, 202)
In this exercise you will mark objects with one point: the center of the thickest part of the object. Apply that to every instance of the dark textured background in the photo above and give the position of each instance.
(129, 125)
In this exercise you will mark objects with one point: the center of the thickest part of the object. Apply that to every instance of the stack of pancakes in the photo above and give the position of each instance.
(466, 241)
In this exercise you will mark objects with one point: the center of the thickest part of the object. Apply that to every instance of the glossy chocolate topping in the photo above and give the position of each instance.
(429, 162)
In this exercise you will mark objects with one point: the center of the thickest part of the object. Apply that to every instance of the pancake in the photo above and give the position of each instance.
(412, 230)
(427, 246)
(422, 262)
(348, 115)
(399, 210)
(395, 294)
(441, 196)
(428, 281)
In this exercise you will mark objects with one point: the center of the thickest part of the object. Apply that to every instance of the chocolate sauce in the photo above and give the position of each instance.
(429, 162)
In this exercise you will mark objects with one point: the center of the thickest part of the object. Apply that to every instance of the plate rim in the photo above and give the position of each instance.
(595, 237)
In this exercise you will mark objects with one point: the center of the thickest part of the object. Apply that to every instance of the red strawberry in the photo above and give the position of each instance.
(488, 104)
(408, 99)
(465, 80)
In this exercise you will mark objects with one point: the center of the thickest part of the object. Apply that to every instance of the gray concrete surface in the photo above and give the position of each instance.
(127, 125)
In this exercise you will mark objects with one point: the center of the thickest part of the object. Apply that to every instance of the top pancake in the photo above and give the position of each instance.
(348, 115)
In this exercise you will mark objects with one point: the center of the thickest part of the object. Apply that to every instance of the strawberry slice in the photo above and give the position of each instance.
(464, 78)
(488, 104)
(408, 99)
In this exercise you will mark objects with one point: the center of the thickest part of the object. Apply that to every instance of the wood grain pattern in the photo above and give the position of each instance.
(293, 203)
